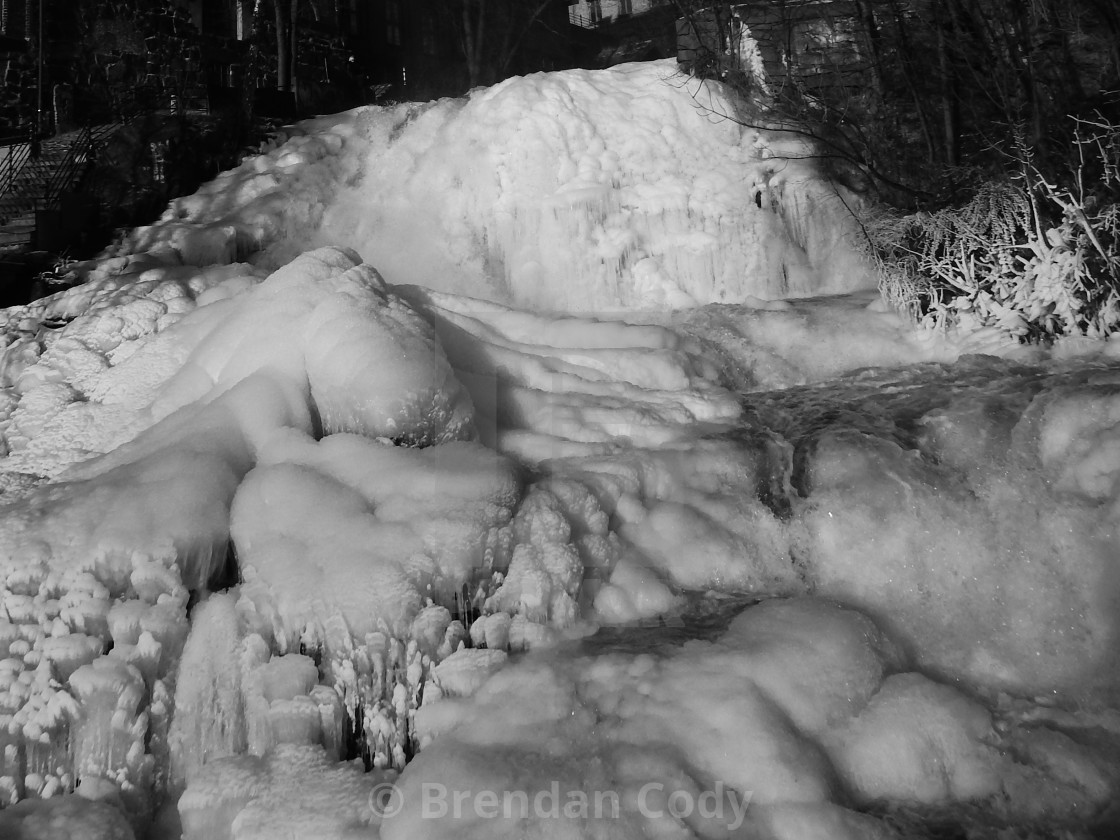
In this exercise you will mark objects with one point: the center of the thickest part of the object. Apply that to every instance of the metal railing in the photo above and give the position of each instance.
(583, 21)
(18, 151)
(70, 169)
(39, 183)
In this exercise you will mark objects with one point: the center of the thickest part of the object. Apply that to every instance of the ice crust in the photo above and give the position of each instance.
(275, 532)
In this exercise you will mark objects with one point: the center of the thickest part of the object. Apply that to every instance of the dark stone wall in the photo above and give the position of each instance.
(17, 98)
(136, 55)
(129, 57)
(820, 39)
(120, 57)
(19, 64)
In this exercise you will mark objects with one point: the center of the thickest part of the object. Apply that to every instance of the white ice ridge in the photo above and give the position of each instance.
(541, 384)
(574, 191)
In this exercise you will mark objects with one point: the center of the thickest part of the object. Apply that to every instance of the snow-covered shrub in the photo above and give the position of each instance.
(1030, 255)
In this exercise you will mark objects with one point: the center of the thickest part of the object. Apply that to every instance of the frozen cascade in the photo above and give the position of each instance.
(573, 191)
(277, 533)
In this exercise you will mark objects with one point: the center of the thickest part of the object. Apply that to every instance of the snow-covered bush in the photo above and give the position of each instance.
(1031, 255)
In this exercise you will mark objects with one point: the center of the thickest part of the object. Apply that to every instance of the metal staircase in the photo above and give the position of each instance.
(31, 183)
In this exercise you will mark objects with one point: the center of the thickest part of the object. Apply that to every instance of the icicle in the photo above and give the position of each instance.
(110, 732)
(332, 720)
(209, 718)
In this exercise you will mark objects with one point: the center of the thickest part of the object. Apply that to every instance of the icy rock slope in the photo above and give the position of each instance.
(276, 534)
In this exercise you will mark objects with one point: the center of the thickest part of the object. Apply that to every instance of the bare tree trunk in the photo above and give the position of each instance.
(874, 46)
(1021, 48)
(293, 41)
(491, 33)
(513, 45)
(283, 61)
(474, 32)
(950, 120)
(1057, 29)
(1109, 17)
(919, 105)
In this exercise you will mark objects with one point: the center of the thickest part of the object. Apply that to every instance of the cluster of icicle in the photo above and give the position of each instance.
(86, 681)
(318, 695)
(132, 695)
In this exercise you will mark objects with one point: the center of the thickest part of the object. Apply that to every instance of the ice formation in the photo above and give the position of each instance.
(805, 705)
(292, 548)
(575, 191)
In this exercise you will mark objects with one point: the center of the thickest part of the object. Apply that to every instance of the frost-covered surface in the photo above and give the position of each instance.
(286, 547)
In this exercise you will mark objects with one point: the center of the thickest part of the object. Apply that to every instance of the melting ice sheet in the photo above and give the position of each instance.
(290, 550)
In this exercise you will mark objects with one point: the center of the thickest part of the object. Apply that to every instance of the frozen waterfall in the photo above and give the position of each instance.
(573, 191)
(328, 509)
